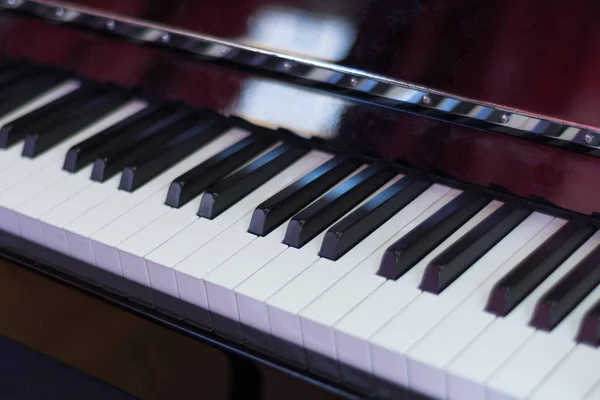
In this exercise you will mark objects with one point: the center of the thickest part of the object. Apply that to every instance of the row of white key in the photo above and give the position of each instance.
(453, 348)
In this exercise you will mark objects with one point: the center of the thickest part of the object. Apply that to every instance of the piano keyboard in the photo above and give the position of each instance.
(357, 270)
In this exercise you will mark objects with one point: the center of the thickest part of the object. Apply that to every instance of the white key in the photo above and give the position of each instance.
(162, 260)
(572, 378)
(29, 212)
(55, 156)
(319, 317)
(221, 282)
(593, 394)
(508, 334)
(133, 249)
(83, 228)
(105, 241)
(190, 272)
(25, 166)
(390, 345)
(13, 154)
(285, 306)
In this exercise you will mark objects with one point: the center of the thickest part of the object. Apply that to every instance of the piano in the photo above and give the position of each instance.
(390, 199)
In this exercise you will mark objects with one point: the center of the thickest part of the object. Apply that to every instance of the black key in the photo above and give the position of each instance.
(15, 93)
(183, 138)
(87, 151)
(72, 121)
(43, 116)
(461, 255)
(589, 329)
(134, 140)
(282, 206)
(344, 235)
(228, 191)
(530, 272)
(568, 292)
(311, 221)
(416, 244)
(192, 183)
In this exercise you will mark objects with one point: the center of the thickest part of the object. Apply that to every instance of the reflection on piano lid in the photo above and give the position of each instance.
(318, 257)
(474, 108)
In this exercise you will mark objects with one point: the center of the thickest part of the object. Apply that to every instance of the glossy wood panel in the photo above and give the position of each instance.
(537, 55)
(559, 176)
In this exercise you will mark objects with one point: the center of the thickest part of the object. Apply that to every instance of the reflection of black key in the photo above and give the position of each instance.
(461, 255)
(589, 329)
(344, 235)
(183, 138)
(87, 151)
(120, 152)
(235, 187)
(530, 272)
(416, 244)
(187, 186)
(568, 292)
(311, 221)
(280, 207)
(72, 121)
(43, 116)
(20, 91)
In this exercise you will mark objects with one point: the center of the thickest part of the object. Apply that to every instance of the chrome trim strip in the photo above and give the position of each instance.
(378, 89)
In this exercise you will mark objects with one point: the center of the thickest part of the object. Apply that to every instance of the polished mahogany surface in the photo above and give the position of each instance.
(526, 168)
(534, 55)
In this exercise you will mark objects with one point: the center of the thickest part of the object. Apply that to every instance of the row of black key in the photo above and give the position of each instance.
(152, 140)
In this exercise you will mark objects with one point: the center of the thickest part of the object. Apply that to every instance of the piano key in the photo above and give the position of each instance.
(594, 393)
(572, 378)
(196, 180)
(389, 345)
(532, 360)
(281, 207)
(75, 119)
(404, 254)
(28, 167)
(427, 360)
(147, 132)
(519, 282)
(13, 153)
(184, 138)
(45, 115)
(237, 244)
(31, 210)
(566, 294)
(527, 366)
(221, 282)
(230, 190)
(87, 151)
(318, 319)
(315, 218)
(95, 233)
(453, 262)
(285, 306)
(589, 331)
(341, 237)
(166, 223)
(205, 244)
(21, 91)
